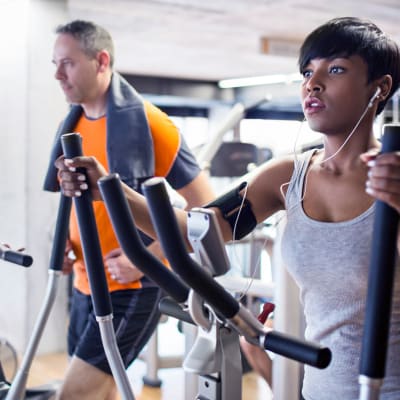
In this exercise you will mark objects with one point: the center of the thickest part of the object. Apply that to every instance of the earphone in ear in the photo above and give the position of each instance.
(374, 97)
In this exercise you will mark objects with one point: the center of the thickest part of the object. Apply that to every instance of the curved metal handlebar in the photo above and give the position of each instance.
(381, 276)
(174, 248)
(129, 240)
(72, 147)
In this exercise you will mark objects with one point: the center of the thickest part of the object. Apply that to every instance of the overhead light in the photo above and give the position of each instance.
(260, 80)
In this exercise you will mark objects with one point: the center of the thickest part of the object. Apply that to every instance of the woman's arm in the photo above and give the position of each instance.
(263, 191)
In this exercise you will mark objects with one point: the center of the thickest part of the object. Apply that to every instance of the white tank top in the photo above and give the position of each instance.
(329, 261)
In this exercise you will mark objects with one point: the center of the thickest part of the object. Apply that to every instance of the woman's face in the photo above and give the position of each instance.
(335, 93)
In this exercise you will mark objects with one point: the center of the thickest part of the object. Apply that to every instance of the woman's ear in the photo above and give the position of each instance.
(385, 84)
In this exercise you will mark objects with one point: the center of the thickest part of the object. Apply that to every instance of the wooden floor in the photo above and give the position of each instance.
(51, 367)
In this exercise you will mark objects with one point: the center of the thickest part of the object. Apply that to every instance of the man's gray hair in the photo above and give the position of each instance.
(93, 38)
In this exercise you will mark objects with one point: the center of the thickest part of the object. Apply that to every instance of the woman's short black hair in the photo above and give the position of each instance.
(348, 36)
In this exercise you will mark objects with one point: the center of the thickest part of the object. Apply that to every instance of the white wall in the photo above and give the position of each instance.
(32, 105)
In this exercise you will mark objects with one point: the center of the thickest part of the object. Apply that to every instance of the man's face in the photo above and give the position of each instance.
(76, 72)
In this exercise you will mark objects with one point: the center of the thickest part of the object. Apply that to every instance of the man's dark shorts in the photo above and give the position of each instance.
(135, 317)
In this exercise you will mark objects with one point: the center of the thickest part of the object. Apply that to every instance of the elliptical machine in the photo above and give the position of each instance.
(197, 297)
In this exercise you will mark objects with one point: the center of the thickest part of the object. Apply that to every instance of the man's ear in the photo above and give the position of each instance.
(103, 58)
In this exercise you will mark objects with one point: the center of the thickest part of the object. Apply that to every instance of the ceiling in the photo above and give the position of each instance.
(211, 40)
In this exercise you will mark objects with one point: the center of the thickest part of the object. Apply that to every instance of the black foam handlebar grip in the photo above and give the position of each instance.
(72, 147)
(381, 276)
(60, 233)
(129, 239)
(166, 226)
(305, 352)
(16, 257)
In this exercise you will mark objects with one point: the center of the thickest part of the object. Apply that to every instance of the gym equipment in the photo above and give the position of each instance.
(7, 390)
(380, 286)
(8, 361)
(15, 257)
(72, 147)
(18, 387)
(208, 156)
(235, 115)
(221, 318)
(234, 159)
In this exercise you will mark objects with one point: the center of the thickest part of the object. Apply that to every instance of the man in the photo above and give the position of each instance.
(132, 137)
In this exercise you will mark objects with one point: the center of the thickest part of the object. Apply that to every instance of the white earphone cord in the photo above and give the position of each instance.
(370, 102)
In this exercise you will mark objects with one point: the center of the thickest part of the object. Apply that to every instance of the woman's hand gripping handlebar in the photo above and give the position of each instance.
(214, 294)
